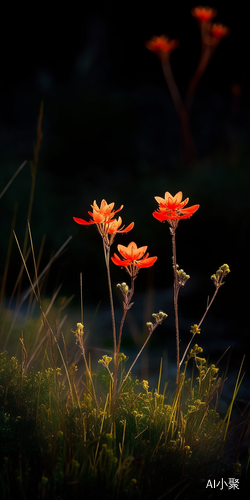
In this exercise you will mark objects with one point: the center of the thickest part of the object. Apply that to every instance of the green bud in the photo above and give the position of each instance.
(225, 268)
(123, 287)
(160, 316)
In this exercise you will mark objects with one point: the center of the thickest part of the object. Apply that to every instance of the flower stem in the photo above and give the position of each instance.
(181, 110)
(204, 60)
(202, 319)
(176, 292)
(106, 249)
(139, 353)
(126, 307)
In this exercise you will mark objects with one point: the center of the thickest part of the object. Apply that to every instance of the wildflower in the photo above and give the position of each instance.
(160, 316)
(204, 14)
(145, 385)
(79, 333)
(182, 276)
(195, 329)
(171, 208)
(220, 274)
(162, 46)
(79, 329)
(134, 258)
(219, 31)
(123, 287)
(122, 356)
(105, 360)
(103, 217)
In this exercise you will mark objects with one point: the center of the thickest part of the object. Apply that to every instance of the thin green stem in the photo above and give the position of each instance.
(88, 370)
(139, 353)
(202, 319)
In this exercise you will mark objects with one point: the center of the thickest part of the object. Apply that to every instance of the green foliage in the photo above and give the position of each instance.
(54, 446)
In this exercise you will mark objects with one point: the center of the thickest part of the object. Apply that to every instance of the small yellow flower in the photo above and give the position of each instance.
(105, 360)
(79, 329)
(195, 329)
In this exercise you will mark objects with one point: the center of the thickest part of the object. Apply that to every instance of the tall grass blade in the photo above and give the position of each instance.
(12, 178)
(44, 317)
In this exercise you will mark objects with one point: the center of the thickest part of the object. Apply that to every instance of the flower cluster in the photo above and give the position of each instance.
(133, 258)
(203, 14)
(216, 31)
(104, 219)
(105, 360)
(220, 274)
(171, 208)
(195, 329)
(162, 46)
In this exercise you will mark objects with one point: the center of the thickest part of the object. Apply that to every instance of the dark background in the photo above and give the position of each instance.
(110, 131)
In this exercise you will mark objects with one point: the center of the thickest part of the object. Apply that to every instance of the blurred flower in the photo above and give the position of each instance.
(171, 208)
(103, 218)
(134, 258)
(204, 14)
(219, 30)
(161, 45)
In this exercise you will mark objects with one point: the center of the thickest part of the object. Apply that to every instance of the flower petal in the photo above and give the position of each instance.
(131, 251)
(148, 262)
(122, 263)
(98, 217)
(161, 216)
(83, 222)
(160, 200)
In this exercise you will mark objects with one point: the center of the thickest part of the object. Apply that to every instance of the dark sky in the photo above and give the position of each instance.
(52, 40)
(109, 119)
(111, 131)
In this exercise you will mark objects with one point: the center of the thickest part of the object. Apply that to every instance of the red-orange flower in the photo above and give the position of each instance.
(171, 208)
(204, 14)
(219, 30)
(103, 217)
(133, 258)
(102, 214)
(115, 224)
(161, 45)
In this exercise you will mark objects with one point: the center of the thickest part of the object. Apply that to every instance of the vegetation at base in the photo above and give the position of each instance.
(57, 445)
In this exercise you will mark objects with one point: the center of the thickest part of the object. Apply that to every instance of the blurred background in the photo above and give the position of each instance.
(110, 130)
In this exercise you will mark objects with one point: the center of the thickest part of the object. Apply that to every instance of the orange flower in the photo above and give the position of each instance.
(161, 45)
(103, 217)
(171, 208)
(115, 224)
(133, 258)
(219, 30)
(204, 14)
(102, 214)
